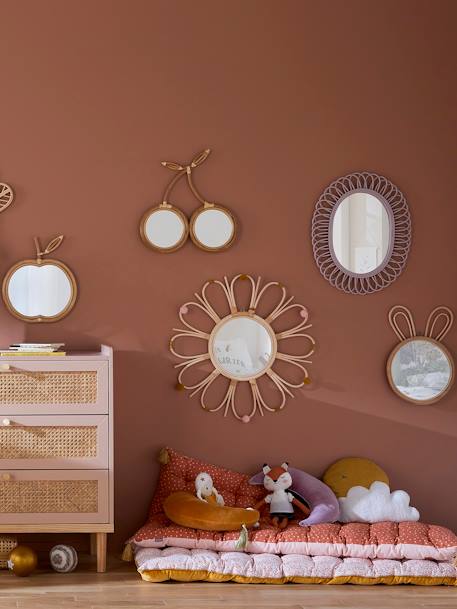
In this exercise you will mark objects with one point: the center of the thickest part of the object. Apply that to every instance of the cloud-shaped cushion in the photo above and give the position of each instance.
(376, 504)
(320, 498)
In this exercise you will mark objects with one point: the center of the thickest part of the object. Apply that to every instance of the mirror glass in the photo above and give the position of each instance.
(242, 348)
(44, 290)
(360, 233)
(420, 370)
(213, 228)
(164, 228)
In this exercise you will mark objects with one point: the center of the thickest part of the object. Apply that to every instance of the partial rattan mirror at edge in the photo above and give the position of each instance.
(6, 196)
(361, 233)
(40, 290)
(243, 346)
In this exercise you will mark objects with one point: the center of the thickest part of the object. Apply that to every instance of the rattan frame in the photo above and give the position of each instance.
(205, 207)
(399, 311)
(283, 386)
(52, 246)
(172, 209)
(185, 170)
(6, 196)
(397, 210)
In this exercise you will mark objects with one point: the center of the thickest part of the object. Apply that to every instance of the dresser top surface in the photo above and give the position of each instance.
(105, 354)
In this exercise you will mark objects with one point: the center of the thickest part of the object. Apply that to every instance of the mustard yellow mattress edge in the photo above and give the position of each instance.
(182, 575)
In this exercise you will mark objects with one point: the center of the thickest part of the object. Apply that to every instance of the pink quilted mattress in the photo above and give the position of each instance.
(385, 540)
(156, 565)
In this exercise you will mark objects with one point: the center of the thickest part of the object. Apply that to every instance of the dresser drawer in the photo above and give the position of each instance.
(49, 496)
(47, 387)
(54, 442)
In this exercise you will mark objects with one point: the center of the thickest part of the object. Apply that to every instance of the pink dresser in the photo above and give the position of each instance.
(56, 446)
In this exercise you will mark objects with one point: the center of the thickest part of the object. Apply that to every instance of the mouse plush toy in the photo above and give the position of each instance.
(281, 501)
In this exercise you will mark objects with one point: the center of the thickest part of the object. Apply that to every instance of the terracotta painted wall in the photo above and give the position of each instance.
(289, 95)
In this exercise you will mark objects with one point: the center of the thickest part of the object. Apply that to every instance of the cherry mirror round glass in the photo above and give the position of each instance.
(242, 347)
(420, 370)
(164, 228)
(212, 227)
(40, 290)
(361, 233)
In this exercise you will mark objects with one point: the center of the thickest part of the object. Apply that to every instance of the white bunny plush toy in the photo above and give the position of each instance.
(205, 489)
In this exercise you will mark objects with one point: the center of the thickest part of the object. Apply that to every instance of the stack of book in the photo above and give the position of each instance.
(22, 349)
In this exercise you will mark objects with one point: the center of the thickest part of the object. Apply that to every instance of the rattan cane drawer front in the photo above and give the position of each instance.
(44, 387)
(54, 442)
(53, 496)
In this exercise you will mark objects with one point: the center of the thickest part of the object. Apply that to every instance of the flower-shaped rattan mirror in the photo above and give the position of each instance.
(243, 345)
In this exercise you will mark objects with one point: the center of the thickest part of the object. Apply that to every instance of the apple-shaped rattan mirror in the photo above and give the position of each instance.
(40, 290)
(244, 345)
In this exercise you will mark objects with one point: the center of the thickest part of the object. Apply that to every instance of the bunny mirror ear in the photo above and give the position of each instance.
(444, 317)
(285, 465)
(399, 312)
(266, 469)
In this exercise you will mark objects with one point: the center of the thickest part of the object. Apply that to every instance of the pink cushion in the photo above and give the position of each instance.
(389, 540)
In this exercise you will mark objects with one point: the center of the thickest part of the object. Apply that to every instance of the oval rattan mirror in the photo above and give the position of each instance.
(361, 233)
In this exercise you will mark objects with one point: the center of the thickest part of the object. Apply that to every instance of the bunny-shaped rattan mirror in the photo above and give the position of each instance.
(420, 369)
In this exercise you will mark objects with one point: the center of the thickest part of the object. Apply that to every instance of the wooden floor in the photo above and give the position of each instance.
(122, 588)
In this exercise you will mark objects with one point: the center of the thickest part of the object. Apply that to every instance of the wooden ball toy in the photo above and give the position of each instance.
(22, 561)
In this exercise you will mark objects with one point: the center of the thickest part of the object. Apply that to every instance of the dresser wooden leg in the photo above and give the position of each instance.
(101, 552)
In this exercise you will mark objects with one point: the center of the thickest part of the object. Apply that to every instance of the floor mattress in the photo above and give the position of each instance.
(183, 564)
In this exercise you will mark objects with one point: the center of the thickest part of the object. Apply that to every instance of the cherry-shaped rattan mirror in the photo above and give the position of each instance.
(165, 228)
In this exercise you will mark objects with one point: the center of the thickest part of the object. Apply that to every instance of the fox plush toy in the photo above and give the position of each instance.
(280, 500)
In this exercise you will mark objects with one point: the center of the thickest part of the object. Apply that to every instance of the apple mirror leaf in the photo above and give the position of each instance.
(53, 244)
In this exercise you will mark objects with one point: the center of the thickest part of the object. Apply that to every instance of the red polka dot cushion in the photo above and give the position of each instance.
(178, 473)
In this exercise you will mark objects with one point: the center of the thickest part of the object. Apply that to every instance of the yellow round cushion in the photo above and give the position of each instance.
(188, 511)
(353, 471)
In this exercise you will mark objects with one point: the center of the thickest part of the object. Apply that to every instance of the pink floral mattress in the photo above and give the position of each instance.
(182, 564)
(385, 540)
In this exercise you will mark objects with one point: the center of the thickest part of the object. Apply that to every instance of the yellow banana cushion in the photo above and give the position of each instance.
(353, 471)
(188, 511)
